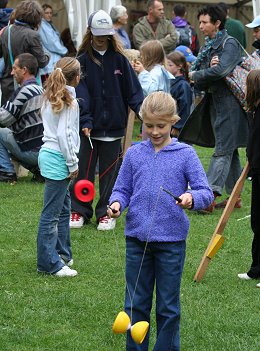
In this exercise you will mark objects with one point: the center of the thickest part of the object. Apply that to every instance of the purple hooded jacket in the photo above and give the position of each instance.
(179, 22)
(152, 213)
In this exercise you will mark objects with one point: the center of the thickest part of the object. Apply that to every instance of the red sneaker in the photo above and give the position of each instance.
(76, 220)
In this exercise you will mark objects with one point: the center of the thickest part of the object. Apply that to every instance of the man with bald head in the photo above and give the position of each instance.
(155, 26)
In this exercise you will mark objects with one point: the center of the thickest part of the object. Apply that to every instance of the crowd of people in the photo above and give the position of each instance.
(64, 117)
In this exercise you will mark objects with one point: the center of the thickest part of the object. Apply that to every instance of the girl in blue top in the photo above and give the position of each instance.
(58, 163)
(152, 73)
(156, 224)
(181, 89)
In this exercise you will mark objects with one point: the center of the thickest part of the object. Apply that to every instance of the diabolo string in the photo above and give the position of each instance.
(153, 212)
(84, 189)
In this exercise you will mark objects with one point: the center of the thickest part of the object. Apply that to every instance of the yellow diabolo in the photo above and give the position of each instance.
(138, 330)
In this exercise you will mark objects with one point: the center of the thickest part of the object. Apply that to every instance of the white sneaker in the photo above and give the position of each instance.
(67, 263)
(76, 220)
(106, 223)
(65, 271)
(258, 285)
(244, 276)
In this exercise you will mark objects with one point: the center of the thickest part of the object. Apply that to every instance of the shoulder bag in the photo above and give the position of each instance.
(236, 80)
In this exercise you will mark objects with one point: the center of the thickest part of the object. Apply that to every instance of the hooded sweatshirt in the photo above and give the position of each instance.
(152, 213)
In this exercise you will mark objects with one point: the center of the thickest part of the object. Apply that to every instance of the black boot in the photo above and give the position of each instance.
(7, 177)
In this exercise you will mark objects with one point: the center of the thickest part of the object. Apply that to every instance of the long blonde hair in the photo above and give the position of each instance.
(65, 72)
(152, 53)
(87, 47)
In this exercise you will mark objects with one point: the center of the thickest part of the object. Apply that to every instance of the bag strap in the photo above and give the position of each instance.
(9, 45)
(241, 47)
(38, 77)
(16, 85)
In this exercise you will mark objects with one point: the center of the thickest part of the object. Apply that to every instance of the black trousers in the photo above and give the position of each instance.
(254, 271)
(7, 88)
(108, 155)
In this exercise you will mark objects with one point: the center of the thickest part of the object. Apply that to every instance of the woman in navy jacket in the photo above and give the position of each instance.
(107, 89)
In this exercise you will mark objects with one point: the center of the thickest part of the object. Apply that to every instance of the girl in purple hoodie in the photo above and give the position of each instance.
(152, 173)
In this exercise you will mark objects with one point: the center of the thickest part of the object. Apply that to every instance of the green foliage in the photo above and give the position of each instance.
(41, 312)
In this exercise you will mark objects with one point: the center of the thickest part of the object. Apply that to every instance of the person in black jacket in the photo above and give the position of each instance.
(253, 154)
(108, 87)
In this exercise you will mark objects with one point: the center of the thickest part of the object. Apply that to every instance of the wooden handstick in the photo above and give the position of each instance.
(222, 222)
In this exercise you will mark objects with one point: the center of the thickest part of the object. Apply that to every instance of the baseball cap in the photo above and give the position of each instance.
(100, 23)
(255, 23)
(186, 52)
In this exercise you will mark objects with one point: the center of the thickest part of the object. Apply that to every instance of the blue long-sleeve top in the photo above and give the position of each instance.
(52, 45)
(152, 213)
(182, 92)
(158, 79)
(124, 38)
(106, 92)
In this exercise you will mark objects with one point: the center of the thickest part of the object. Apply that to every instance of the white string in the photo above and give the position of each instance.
(241, 219)
(90, 142)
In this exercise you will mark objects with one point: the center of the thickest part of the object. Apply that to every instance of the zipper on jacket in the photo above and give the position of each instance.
(104, 94)
(152, 196)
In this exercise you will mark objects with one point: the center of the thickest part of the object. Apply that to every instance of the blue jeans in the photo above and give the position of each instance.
(162, 265)
(54, 231)
(10, 148)
(223, 171)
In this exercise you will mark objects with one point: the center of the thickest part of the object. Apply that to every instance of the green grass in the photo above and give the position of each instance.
(46, 313)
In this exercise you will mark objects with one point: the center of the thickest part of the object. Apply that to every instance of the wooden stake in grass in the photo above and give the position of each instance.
(129, 131)
(217, 237)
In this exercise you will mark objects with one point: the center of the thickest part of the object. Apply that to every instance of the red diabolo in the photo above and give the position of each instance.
(84, 190)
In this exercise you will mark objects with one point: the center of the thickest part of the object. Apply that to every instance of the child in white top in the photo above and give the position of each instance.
(58, 163)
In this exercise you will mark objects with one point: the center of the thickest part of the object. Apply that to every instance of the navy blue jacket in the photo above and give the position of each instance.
(105, 92)
(181, 91)
(4, 17)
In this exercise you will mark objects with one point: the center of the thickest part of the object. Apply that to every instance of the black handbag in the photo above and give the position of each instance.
(198, 129)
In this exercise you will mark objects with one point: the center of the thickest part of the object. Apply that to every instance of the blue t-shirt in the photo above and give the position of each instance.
(52, 164)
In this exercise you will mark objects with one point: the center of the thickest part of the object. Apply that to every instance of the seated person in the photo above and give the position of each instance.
(21, 128)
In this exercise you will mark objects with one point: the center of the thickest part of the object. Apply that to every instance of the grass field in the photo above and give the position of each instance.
(45, 313)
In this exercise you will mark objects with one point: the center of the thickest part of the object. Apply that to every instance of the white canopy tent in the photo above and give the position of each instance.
(79, 11)
(256, 7)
